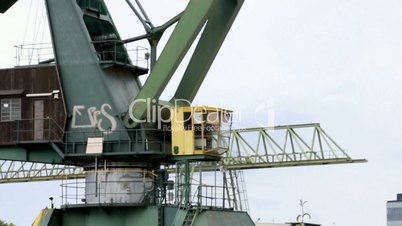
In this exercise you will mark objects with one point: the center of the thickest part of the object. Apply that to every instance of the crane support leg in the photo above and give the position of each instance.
(190, 24)
(218, 26)
(194, 18)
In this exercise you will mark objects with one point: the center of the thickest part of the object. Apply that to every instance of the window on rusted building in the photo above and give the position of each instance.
(10, 109)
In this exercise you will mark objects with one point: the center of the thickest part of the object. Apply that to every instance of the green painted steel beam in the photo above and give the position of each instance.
(250, 148)
(186, 31)
(217, 16)
(43, 154)
(6, 4)
(38, 173)
(88, 87)
(269, 165)
(22, 171)
(138, 215)
(219, 23)
(266, 165)
(42, 178)
(105, 216)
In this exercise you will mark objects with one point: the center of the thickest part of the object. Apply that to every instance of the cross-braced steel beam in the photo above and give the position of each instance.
(252, 148)
(16, 171)
(282, 146)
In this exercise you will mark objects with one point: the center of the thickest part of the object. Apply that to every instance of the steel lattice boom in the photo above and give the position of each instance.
(16, 171)
(279, 146)
(282, 146)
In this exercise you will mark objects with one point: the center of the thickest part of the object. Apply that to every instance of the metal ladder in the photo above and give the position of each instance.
(238, 193)
(190, 216)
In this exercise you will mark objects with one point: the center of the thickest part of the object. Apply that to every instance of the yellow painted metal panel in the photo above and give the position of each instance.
(184, 139)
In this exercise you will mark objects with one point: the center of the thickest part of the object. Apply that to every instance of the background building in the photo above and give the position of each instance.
(394, 211)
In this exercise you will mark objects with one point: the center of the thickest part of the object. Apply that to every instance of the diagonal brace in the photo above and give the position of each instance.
(219, 23)
(187, 29)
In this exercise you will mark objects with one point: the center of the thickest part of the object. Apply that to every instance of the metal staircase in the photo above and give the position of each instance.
(238, 195)
(191, 214)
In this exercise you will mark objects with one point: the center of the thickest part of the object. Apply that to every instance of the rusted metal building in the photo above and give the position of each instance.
(32, 105)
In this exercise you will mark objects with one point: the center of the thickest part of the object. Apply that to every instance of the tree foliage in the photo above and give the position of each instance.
(2, 223)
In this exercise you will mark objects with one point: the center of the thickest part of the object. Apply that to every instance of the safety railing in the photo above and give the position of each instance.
(36, 130)
(214, 196)
(135, 140)
(213, 186)
(183, 209)
(109, 187)
(31, 54)
(101, 187)
(94, 5)
(108, 51)
(118, 52)
(203, 197)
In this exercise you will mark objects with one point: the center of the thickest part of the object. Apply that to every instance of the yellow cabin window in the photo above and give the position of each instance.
(200, 130)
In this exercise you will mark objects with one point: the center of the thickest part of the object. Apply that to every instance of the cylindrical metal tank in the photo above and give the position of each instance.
(118, 185)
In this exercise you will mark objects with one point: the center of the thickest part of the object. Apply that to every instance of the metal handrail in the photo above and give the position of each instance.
(29, 54)
(109, 52)
(50, 131)
(75, 190)
(183, 205)
(120, 137)
(91, 4)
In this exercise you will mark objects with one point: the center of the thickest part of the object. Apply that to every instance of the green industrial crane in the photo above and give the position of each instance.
(93, 120)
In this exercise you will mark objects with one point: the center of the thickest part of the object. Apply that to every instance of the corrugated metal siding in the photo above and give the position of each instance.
(33, 80)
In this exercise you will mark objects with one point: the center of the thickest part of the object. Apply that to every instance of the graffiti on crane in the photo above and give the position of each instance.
(95, 118)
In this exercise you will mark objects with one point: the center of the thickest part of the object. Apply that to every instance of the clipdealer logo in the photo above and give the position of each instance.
(156, 112)
(264, 114)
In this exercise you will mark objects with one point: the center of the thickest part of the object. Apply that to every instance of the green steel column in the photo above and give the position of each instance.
(82, 77)
(216, 30)
(187, 184)
(6, 4)
(187, 29)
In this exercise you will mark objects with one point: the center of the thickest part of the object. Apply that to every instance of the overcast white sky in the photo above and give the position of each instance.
(333, 62)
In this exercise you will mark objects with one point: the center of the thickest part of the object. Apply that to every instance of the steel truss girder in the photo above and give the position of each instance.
(283, 146)
(17, 171)
(272, 147)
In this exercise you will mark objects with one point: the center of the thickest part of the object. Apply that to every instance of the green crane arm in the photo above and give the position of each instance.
(211, 19)
(252, 148)
(219, 24)
(216, 16)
